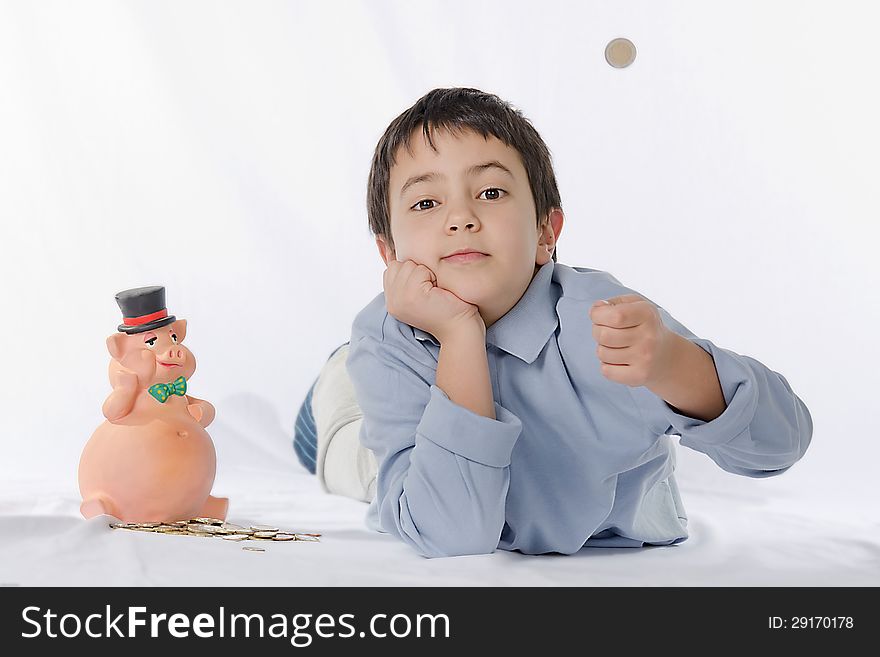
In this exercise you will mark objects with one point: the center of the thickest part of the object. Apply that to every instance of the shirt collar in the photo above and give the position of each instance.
(524, 329)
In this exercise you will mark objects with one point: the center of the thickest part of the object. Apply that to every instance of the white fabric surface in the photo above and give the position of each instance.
(743, 532)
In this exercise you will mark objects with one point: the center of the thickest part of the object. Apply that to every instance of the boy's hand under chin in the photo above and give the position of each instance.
(634, 346)
(413, 297)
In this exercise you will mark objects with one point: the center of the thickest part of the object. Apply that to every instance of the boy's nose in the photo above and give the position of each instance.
(462, 217)
(455, 224)
(461, 214)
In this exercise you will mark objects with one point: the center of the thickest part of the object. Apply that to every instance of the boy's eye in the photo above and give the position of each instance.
(151, 342)
(493, 193)
(419, 206)
(174, 338)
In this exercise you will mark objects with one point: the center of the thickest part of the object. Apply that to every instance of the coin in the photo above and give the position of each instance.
(620, 52)
(211, 527)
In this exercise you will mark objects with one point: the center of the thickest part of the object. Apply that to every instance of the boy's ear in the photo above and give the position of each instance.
(556, 221)
(385, 251)
(550, 230)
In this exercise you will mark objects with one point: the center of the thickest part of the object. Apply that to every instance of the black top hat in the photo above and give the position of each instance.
(143, 309)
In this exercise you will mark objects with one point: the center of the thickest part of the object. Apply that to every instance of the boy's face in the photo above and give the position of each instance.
(470, 193)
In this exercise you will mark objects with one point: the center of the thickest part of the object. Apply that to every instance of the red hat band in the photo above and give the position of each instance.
(143, 319)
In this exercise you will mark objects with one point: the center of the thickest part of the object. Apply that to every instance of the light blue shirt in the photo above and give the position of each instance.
(572, 458)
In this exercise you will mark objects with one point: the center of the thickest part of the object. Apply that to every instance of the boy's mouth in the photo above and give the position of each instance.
(465, 255)
(461, 258)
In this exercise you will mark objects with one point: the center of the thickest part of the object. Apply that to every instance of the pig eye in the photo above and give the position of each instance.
(174, 338)
(151, 342)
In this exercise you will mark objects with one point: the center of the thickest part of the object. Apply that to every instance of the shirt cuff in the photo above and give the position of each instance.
(739, 387)
(471, 435)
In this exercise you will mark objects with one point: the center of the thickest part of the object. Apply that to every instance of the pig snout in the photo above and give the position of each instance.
(173, 357)
(175, 353)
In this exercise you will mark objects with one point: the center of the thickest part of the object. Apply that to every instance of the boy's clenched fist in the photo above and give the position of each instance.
(634, 345)
(412, 296)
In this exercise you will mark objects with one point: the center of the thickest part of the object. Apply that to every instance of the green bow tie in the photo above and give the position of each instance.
(162, 391)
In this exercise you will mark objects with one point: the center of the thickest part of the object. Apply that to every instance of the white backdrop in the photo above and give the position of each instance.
(221, 149)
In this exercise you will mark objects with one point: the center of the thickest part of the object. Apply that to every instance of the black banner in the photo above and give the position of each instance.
(333, 619)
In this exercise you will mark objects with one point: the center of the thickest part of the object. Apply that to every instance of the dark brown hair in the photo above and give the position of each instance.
(458, 109)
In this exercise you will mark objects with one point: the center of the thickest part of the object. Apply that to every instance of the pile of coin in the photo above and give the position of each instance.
(212, 527)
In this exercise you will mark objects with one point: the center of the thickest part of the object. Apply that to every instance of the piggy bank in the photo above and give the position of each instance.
(151, 460)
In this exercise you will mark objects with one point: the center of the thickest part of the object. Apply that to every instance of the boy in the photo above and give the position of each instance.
(498, 399)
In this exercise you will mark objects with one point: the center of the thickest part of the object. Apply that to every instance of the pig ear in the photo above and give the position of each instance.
(180, 328)
(116, 345)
